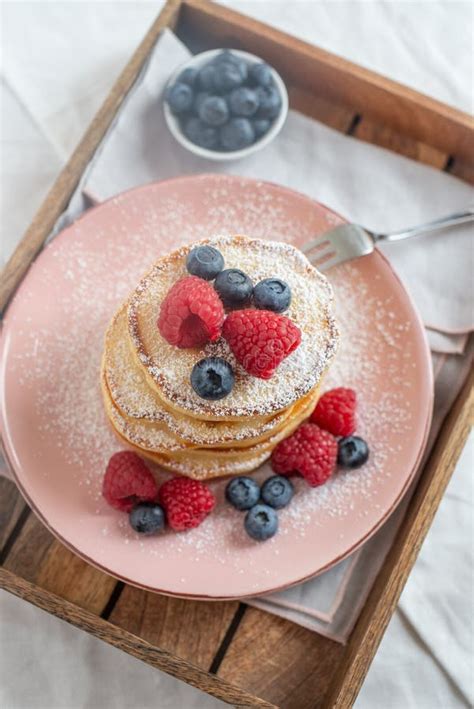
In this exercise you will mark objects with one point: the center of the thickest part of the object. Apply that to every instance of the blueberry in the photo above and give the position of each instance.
(200, 97)
(272, 294)
(212, 378)
(179, 97)
(270, 102)
(200, 134)
(188, 76)
(147, 518)
(238, 133)
(227, 56)
(243, 101)
(229, 75)
(205, 262)
(206, 77)
(261, 126)
(213, 110)
(260, 75)
(243, 493)
(352, 452)
(277, 491)
(261, 522)
(234, 287)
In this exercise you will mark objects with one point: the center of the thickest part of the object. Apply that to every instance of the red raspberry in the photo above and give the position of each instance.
(127, 481)
(309, 451)
(335, 412)
(186, 502)
(260, 339)
(191, 314)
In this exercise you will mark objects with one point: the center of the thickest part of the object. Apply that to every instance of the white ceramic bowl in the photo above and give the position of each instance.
(172, 121)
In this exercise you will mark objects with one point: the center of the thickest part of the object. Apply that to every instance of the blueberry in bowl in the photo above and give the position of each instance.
(238, 133)
(213, 110)
(179, 97)
(260, 74)
(199, 98)
(243, 102)
(229, 75)
(188, 76)
(269, 102)
(225, 104)
(201, 134)
(261, 126)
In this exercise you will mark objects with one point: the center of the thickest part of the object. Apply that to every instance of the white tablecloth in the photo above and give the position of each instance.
(48, 97)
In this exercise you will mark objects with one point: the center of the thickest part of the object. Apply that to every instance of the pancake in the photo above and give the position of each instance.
(168, 368)
(128, 387)
(146, 386)
(196, 469)
(157, 438)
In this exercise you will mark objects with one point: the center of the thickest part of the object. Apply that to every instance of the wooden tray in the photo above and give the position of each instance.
(242, 655)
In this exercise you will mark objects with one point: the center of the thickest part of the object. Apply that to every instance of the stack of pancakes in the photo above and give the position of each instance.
(146, 383)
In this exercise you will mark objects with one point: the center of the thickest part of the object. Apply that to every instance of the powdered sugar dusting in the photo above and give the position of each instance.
(311, 308)
(132, 394)
(60, 362)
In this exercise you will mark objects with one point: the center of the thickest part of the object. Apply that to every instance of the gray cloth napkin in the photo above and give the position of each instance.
(364, 183)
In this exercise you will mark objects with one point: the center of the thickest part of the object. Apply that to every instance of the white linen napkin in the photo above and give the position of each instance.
(365, 183)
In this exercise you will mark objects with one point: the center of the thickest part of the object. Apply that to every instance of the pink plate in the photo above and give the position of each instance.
(58, 441)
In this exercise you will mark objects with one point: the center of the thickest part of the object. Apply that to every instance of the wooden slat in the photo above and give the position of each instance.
(29, 549)
(280, 661)
(326, 75)
(12, 507)
(192, 630)
(384, 596)
(335, 116)
(123, 640)
(38, 557)
(387, 138)
(463, 171)
(59, 195)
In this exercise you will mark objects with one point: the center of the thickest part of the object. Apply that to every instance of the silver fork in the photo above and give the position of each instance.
(350, 241)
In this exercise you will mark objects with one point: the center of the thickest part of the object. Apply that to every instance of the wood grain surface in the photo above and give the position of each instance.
(462, 170)
(40, 558)
(280, 661)
(240, 654)
(13, 513)
(193, 630)
(123, 640)
(387, 138)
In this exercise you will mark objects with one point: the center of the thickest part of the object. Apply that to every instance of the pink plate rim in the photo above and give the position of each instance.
(354, 547)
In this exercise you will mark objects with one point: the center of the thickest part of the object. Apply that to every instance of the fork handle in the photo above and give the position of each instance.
(450, 220)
